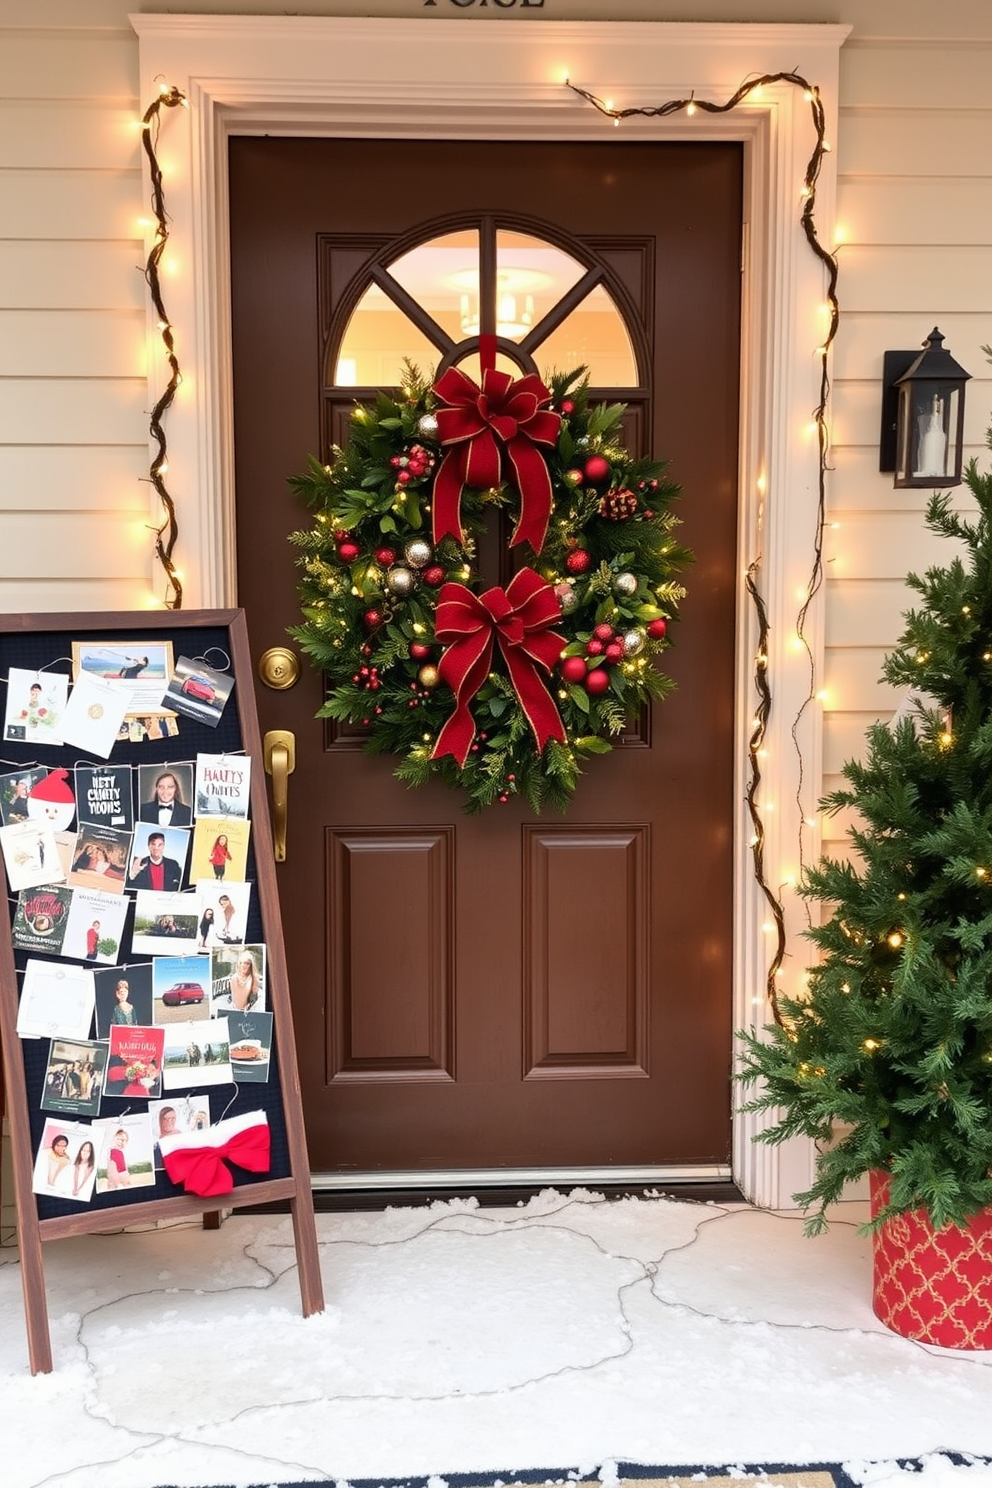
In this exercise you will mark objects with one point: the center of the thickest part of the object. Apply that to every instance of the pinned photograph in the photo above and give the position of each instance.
(251, 1046)
(40, 919)
(222, 913)
(100, 859)
(95, 926)
(138, 671)
(57, 1000)
(222, 785)
(237, 979)
(74, 1077)
(134, 1066)
(165, 793)
(104, 796)
(93, 715)
(197, 1054)
(31, 855)
(180, 988)
(36, 703)
(125, 1157)
(198, 690)
(142, 730)
(220, 848)
(65, 1164)
(176, 1117)
(158, 858)
(164, 924)
(123, 997)
(14, 791)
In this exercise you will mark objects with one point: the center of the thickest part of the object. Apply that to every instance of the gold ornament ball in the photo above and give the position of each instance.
(633, 642)
(400, 581)
(427, 427)
(625, 583)
(428, 677)
(417, 553)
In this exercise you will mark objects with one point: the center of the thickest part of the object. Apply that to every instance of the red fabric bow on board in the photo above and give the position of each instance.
(197, 1159)
(506, 415)
(520, 619)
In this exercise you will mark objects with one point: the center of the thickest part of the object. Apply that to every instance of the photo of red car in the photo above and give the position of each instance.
(199, 688)
(182, 992)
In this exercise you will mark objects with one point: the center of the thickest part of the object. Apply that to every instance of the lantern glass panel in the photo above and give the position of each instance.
(928, 434)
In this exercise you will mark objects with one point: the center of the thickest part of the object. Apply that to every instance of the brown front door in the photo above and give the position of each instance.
(504, 991)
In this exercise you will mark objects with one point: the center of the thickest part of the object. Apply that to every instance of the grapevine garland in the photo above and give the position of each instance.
(501, 692)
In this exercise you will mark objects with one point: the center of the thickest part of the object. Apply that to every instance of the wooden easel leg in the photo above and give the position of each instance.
(33, 1284)
(307, 1254)
(211, 1219)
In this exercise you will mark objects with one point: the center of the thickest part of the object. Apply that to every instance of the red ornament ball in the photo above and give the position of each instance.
(603, 632)
(385, 556)
(597, 469)
(578, 561)
(658, 629)
(434, 575)
(594, 647)
(614, 652)
(348, 551)
(597, 682)
(567, 406)
(419, 651)
(372, 619)
(573, 669)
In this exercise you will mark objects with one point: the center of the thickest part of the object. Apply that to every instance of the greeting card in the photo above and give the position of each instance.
(40, 919)
(93, 715)
(31, 855)
(57, 998)
(134, 1069)
(74, 1077)
(222, 784)
(36, 703)
(104, 796)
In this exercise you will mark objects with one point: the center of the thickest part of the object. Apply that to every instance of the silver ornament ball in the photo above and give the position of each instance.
(417, 553)
(427, 427)
(633, 642)
(625, 583)
(400, 581)
(567, 598)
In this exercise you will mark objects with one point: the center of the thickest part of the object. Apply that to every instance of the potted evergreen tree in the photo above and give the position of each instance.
(886, 1061)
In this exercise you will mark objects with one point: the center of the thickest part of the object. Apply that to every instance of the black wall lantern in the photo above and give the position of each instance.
(923, 415)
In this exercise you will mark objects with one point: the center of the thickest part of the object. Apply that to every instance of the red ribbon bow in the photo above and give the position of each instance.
(505, 409)
(520, 618)
(202, 1170)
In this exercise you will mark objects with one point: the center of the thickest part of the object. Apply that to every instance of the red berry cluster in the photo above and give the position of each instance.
(367, 677)
(604, 648)
(412, 466)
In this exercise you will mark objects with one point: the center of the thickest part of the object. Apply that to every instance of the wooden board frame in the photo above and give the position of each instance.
(293, 1185)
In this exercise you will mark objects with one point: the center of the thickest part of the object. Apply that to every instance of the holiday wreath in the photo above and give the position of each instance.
(509, 690)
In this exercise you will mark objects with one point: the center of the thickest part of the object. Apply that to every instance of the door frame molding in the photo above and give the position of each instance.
(324, 76)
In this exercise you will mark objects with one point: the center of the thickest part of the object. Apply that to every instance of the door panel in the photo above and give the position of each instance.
(503, 991)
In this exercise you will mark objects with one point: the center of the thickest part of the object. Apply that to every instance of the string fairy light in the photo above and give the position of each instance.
(691, 106)
(167, 533)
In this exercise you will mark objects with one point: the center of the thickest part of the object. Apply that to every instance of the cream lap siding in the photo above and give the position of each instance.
(75, 507)
(914, 205)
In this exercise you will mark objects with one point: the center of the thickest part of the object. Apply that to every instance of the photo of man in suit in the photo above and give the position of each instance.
(155, 870)
(166, 807)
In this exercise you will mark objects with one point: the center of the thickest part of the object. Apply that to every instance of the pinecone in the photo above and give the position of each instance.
(618, 505)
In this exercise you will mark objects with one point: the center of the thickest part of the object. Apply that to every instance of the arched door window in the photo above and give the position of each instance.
(552, 305)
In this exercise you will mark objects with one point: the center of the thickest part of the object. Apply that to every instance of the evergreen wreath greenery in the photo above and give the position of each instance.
(887, 1060)
(369, 599)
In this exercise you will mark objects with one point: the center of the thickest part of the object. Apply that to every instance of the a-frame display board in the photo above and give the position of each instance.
(43, 646)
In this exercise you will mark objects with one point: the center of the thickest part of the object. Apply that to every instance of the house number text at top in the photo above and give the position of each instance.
(499, 4)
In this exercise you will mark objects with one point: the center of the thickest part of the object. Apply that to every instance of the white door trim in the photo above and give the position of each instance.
(497, 78)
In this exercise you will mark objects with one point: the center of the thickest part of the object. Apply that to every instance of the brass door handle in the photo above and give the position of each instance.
(279, 756)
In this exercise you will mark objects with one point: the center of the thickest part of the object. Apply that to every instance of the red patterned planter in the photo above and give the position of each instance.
(936, 1288)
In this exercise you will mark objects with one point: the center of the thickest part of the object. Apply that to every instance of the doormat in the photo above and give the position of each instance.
(616, 1474)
